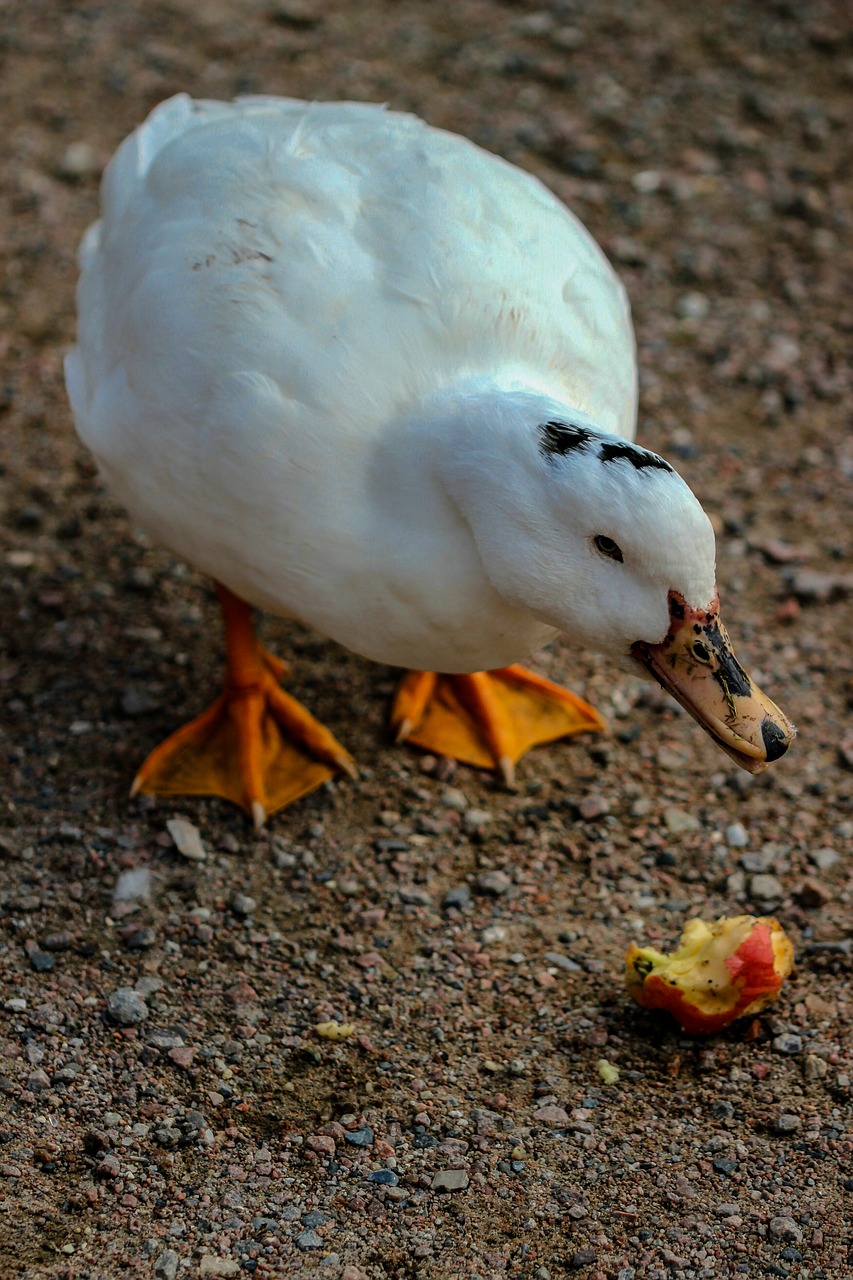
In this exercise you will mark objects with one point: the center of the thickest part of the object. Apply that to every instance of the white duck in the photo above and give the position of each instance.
(367, 375)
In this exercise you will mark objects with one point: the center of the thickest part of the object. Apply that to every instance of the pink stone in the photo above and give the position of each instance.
(321, 1142)
(182, 1056)
(242, 993)
(551, 1115)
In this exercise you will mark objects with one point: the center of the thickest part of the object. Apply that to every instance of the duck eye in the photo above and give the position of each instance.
(607, 547)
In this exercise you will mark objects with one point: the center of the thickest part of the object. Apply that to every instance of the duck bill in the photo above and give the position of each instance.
(695, 663)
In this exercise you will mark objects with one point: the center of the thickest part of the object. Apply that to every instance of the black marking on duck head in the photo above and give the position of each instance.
(556, 439)
(638, 458)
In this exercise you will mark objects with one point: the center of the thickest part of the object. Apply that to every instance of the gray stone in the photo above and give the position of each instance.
(415, 896)
(166, 1266)
(309, 1240)
(678, 820)
(788, 1042)
(67, 1074)
(766, 888)
(133, 885)
(159, 1038)
(242, 905)
(265, 1226)
(825, 858)
(141, 939)
(450, 1180)
(458, 897)
(454, 798)
(737, 836)
(126, 1008)
(315, 1218)
(476, 819)
(493, 883)
(787, 1123)
(783, 1228)
(360, 1137)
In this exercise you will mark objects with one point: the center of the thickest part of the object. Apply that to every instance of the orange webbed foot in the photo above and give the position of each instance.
(255, 745)
(489, 718)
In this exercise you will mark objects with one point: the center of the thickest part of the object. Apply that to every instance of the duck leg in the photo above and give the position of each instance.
(255, 745)
(488, 718)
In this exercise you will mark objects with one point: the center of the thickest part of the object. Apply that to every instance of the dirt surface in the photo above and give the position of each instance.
(471, 936)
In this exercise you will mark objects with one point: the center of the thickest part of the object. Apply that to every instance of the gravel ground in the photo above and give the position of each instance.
(167, 1106)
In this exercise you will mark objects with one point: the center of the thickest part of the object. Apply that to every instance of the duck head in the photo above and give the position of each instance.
(604, 541)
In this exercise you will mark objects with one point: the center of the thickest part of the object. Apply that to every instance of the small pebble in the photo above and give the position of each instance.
(691, 306)
(551, 1114)
(765, 888)
(242, 905)
(315, 1218)
(825, 858)
(736, 836)
(309, 1239)
(787, 1123)
(164, 1039)
(385, 1177)
(133, 885)
(788, 1042)
(182, 1055)
(166, 1266)
(126, 1008)
(78, 160)
(453, 798)
(360, 1137)
(211, 1265)
(58, 941)
(493, 883)
(459, 897)
(592, 807)
(812, 893)
(476, 819)
(415, 896)
(141, 939)
(783, 1228)
(450, 1180)
(678, 820)
(671, 760)
(187, 839)
(136, 702)
(322, 1143)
